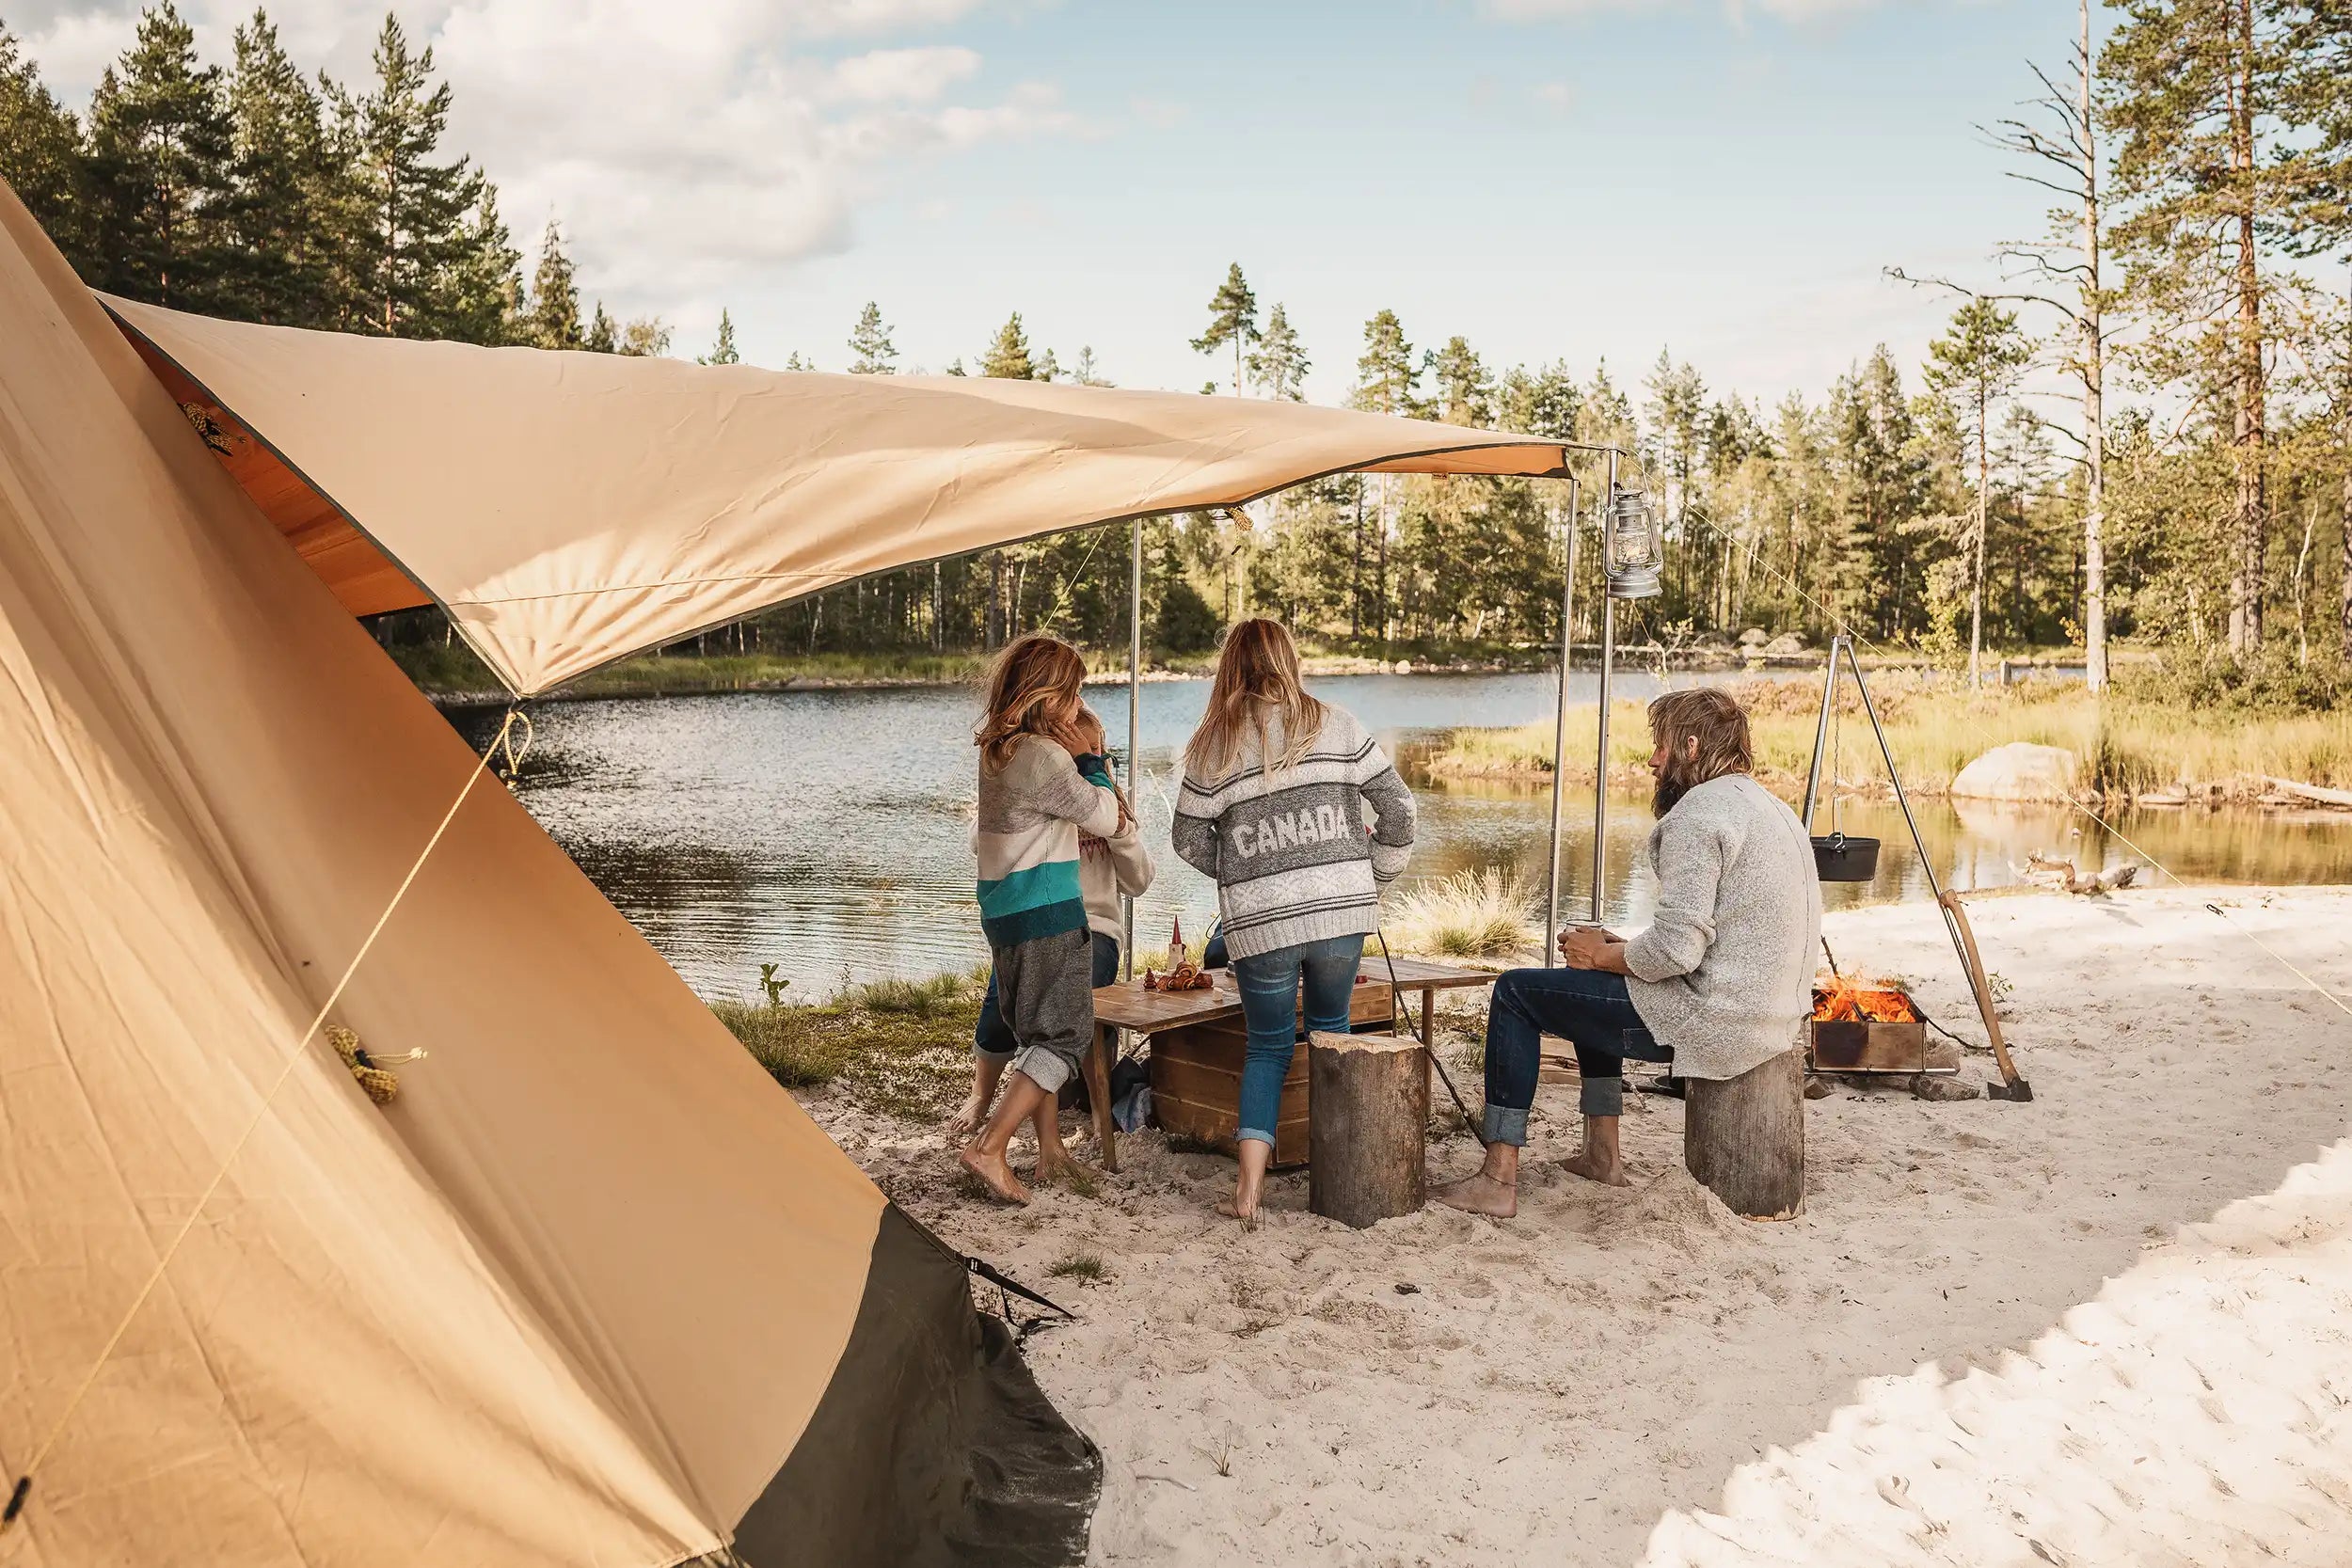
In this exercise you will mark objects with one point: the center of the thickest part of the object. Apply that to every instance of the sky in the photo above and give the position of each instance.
(1574, 180)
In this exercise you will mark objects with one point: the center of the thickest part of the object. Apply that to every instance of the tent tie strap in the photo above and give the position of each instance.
(1022, 1328)
(372, 1072)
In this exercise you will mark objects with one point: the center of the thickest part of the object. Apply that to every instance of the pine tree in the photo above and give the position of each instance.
(552, 320)
(723, 351)
(603, 336)
(279, 214)
(1464, 389)
(1981, 359)
(42, 156)
(871, 352)
(1232, 319)
(2235, 125)
(481, 297)
(160, 150)
(427, 245)
(1008, 357)
(1088, 372)
(645, 336)
(1278, 363)
(1386, 379)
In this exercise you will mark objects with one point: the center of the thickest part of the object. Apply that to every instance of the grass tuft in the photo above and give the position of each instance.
(1471, 915)
(1086, 1267)
(902, 1047)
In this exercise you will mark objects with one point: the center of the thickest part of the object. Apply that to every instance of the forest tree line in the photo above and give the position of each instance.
(2190, 488)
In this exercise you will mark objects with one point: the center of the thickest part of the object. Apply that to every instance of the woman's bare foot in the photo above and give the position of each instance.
(1480, 1194)
(1229, 1206)
(968, 1117)
(994, 1174)
(1595, 1167)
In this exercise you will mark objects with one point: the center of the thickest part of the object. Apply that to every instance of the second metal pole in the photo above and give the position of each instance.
(1559, 739)
(1608, 661)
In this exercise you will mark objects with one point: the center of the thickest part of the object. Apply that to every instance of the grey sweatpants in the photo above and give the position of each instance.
(1045, 992)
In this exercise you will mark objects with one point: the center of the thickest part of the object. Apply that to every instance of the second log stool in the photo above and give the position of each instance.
(1367, 1129)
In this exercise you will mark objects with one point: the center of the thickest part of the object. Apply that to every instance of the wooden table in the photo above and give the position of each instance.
(1125, 1004)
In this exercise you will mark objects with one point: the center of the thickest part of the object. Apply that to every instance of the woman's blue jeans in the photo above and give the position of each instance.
(1590, 1010)
(1271, 984)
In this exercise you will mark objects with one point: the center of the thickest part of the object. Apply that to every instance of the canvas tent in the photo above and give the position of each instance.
(592, 1290)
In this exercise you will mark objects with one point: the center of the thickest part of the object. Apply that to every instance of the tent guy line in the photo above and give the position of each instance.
(501, 742)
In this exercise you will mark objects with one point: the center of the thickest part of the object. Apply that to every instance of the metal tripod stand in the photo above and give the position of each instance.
(2013, 1085)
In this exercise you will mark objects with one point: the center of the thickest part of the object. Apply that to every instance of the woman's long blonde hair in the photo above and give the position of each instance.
(1257, 681)
(1034, 687)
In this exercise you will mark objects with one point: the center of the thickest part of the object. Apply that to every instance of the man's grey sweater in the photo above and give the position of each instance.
(1294, 857)
(1725, 973)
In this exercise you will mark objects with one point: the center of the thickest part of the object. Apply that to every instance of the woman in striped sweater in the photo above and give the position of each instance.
(1294, 810)
(1037, 742)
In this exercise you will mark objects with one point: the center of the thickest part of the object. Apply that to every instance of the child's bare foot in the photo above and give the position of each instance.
(995, 1175)
(968, 1117)
(1592, 1167)
(1480, 1194)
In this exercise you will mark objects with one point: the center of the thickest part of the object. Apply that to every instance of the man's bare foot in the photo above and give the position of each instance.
(995, 1175)
(1480, 1194)
(1229, 1206)
(967, 1119)
(1592, 1169)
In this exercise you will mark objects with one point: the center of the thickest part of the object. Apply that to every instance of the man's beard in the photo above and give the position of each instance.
(1669, 793)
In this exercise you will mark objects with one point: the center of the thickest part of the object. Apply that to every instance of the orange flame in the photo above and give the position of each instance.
(1840, 999)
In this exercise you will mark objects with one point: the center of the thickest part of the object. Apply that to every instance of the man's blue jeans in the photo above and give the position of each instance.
(1587, 1008)
(1270, 987)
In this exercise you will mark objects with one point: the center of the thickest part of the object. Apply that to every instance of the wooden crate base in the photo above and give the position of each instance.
(1196, 1080)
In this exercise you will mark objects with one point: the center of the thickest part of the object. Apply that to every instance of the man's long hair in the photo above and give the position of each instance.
(1710, 715)
(1257, 681)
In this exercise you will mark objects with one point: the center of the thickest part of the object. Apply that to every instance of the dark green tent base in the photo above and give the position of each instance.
(934, 1445)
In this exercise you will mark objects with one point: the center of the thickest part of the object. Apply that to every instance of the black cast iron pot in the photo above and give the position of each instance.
(1839, 859)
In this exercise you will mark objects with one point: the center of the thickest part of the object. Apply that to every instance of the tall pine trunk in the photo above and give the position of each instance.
(2094, 400)
(1984, 511)
(2246, 581)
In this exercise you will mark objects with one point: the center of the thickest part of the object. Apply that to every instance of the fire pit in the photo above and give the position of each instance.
(1869, 1027)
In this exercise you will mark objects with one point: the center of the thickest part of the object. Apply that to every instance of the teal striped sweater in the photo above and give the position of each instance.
(1032, 810)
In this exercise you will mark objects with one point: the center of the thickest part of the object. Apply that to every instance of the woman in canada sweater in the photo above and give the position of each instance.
(1297, 814)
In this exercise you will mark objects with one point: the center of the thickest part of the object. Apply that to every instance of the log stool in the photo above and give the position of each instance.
(1366, 1137)
(1743, 1137)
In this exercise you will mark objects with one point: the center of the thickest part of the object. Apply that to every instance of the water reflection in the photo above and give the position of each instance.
(829, 831)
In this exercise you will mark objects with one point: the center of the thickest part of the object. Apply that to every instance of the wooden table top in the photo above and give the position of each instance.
(1125, 1004)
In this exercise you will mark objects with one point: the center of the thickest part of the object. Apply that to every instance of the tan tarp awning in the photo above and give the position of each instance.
(571, 509)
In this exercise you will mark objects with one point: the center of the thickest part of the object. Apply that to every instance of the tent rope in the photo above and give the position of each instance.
(502, 745)
(1755, 559)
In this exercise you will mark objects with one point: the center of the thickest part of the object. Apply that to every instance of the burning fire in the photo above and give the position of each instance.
(1837, 998)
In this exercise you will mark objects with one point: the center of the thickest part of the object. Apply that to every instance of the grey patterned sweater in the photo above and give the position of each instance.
(1300, 854)
(1725, 973)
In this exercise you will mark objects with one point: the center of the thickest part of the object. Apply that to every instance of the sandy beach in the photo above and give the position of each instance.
(1581, 1384)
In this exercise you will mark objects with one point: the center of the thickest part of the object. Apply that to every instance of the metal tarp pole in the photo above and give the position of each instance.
(1607, 658)
(1134, 704)
(1560, 738)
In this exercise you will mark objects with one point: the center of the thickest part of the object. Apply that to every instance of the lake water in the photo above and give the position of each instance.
(829, 831)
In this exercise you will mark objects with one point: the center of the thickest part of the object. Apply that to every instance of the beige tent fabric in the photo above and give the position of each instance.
(570, 509)
(571, 1299)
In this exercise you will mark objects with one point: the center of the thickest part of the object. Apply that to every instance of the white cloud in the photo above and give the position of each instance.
(1796, 12)
(903, 75)
(685, 144)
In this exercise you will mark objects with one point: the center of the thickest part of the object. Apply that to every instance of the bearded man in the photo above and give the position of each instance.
(1719, 983)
